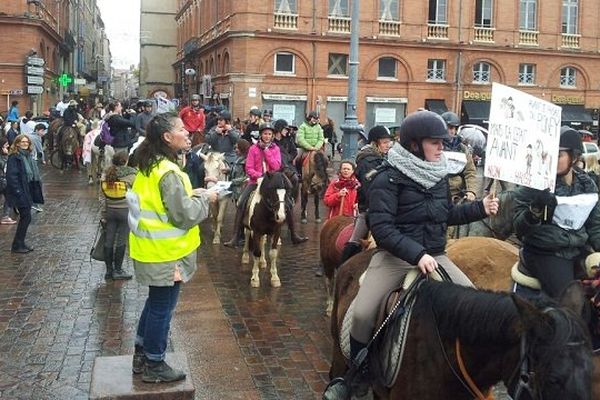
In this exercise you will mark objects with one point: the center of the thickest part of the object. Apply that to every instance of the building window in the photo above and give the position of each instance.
(526, 74)
(339, 8)
(569, 16)
(338, 64)
(528, 15)
(389, 10)
(568, 77)
(436, 70)
(438, 12)
(483, 13)
(285, 6)
(285, 63)
(387, 67)
(481, 73)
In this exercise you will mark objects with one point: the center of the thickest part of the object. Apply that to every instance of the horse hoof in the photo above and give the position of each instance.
(216, 241)
(304, 221)
(318, 220)
(245, 259)
(275, 282)
(262, 264)
(254, 283)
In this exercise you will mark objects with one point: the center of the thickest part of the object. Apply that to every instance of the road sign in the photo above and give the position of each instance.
(38, 62)
(35, 90)
(35, 71)
(35, 80)
(16, 92)
(79, 81)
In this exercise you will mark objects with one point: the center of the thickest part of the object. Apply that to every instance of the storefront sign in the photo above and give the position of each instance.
(468, 95)
(16, 92)
(563, 99)
(337, 99)
(385, 116)
(284, 111)
(252, 92)
(284, 97)
(79, 81)
(395, 100)
(523, 138)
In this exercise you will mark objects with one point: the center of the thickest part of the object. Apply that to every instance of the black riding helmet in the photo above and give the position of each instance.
(379, 132)
(420, 125)
(570, 140)
(264, 126)
(451, 119)
(280, 125)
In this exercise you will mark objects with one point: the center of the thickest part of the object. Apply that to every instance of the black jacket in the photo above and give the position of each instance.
(408, 220)
(19, 192)
(119, 129)
(194, 167)
(367, 161)
(288, 150)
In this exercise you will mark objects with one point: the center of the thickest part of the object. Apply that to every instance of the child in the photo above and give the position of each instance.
(341, 194)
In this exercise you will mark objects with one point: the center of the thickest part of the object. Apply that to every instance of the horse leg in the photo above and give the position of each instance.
(222, 207)
(263, 244)
(303, 203)
(329, 285)
(245, 252)
(273, 254)
(317, 216)
(256, 252)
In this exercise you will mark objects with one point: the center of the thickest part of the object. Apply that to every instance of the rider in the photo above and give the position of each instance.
(555, 228)
(461, 168)
(251, 132)
(70, 118)
(193, 119)
(367, 160)
(222, 137)
(409, 210)
(309, 138)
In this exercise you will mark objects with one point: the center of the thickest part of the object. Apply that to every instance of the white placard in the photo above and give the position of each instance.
(284, 111)
(252, 92)
(385, 115)
(523, 138)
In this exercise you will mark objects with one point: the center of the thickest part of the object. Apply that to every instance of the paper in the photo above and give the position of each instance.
(221, 188)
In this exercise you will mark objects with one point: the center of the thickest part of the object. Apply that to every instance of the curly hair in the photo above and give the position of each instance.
(14, 147)
(119, 160)
(154, 148)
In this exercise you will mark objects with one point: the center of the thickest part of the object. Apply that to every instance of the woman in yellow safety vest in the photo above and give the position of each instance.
(164, 213)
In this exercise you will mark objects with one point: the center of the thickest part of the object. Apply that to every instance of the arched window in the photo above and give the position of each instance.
(481, 73)
(568, 77)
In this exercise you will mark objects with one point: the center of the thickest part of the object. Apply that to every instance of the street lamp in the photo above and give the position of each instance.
(350, 126)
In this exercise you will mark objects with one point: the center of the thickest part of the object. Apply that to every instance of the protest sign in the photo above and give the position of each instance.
(523, 137)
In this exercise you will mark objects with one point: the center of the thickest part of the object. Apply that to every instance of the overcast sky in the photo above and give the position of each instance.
(122, 22)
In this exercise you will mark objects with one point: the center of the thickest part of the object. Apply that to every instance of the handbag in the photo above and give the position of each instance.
(97, 251)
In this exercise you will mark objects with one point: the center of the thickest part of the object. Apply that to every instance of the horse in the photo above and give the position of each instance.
(499, 226)
(264, 215)
(216, 167)
(52, 135)
(538, 350)
(314, 181)
(101, 159)
(69, 147)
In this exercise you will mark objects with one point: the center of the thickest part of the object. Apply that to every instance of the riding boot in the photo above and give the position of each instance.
(108, 261)
(350, 249)
(237, 229)
(118, 273)
(361, 383)
(296, 239)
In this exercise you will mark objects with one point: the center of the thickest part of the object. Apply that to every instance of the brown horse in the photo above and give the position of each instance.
(314, 181)
(542, 347)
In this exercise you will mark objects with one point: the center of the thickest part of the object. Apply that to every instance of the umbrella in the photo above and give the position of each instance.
(473, 135)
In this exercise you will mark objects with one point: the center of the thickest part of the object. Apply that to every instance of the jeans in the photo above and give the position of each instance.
(155, 321)
(24, 221)
(117, 229)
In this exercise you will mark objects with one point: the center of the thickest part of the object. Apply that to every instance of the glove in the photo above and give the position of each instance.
(543, 199)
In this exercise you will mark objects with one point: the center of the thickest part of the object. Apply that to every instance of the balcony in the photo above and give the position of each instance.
(285, 21)
(339, 24)
(485, 35)
(389, 28)
(528, 38)
(570, 41)
(437, 31)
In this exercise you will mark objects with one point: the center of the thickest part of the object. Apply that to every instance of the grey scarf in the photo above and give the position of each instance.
(31, 169)
(425, 173)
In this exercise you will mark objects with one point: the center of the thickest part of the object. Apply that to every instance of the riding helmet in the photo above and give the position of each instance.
(451, 119)
(280, 125)
(255, 111)
(379, 132)
(226, 115)
(420, 125)
(195, 97)
(570, 140)
(266, 125)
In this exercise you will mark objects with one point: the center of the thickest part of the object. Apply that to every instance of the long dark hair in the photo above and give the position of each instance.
(154, 148)
(119, 160)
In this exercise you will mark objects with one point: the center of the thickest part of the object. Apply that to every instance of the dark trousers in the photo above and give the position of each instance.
(155, 321)
(117, 229)
(554, 273)
(24, 221)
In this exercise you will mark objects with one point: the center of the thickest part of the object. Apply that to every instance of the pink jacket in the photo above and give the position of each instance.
(254, 162)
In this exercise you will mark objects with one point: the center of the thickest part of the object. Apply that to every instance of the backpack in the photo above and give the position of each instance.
(114, 191)
(105, 134)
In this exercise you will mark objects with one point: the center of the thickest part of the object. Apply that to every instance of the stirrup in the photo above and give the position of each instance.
(337, 389)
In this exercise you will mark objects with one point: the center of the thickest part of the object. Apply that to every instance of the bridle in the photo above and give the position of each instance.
(524, 376)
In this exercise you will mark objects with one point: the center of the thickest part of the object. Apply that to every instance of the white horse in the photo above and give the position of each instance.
(99, 163)
(216, 170)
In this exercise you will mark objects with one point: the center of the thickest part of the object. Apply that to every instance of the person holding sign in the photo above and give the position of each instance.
(555, 227)
(462, 174)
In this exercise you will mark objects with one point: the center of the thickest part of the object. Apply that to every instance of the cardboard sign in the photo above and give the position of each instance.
(523, 138)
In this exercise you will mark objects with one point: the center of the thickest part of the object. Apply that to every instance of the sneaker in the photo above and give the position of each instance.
(7, 221)
(37, 208)
(139, 360)
(160, 371)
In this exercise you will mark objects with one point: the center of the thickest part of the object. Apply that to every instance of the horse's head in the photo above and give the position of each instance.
(556, 355)
(215, 166)
(273, 189)
(317, 173)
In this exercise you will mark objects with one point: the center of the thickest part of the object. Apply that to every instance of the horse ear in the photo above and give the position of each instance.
(531, 317)
(573, 298)
(202, 155)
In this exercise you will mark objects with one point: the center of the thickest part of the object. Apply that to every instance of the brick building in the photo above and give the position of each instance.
(292, 55)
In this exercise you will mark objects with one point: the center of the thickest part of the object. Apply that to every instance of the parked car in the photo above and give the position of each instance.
(591, 148)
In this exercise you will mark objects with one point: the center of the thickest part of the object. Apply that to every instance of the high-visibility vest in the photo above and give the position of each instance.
(152, 238)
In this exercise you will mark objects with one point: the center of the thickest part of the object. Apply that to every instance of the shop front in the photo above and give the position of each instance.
(289, 107)
(336, 110)
(574, 113)
(436, 105)
(475, 108)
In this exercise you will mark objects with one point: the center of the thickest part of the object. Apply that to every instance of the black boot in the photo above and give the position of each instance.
(139, 360)
(237, 229)
(160, 371)
(108, 261)
(296, 239)
(118, 273)
(350, 249)
(360, 384)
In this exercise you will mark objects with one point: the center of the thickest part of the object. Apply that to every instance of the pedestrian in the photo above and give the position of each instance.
(164, 213)
(192, 165)
(36, 138)
(13, 132)
(194, 119)
(116, 180)
(6, 208)
(342, 193)
(23, 188)
(142, 118)
(13, 112)
(330, 136)
(120, 127)
(27, 124)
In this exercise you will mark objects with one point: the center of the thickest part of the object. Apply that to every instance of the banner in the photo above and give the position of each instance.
(524, 133)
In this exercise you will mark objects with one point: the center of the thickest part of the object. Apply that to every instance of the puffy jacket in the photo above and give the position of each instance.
(119, 130)
(310, 136)
(408, 220)
(288, 150)
(254, 162)
(548, 238)
(367, 161)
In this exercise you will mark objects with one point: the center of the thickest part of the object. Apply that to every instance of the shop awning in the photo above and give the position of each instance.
(437, 106)
(475, 112)
(576, 117)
